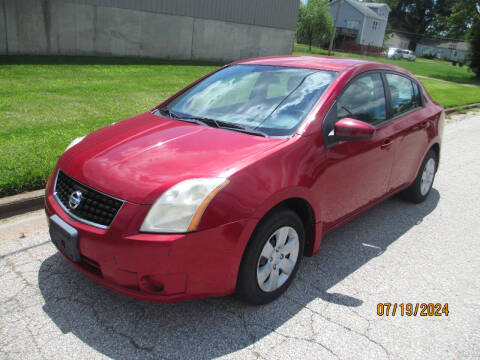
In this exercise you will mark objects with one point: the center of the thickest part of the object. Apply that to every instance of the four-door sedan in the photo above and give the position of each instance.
(226, 185)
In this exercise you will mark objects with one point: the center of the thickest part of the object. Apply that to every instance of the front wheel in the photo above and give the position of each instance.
(420, 188)
(272, 257)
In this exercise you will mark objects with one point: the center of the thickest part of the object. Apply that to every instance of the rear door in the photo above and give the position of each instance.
(411, 123)
(357, 172)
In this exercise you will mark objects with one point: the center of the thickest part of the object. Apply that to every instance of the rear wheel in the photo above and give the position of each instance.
(419, 190)
(272, 257)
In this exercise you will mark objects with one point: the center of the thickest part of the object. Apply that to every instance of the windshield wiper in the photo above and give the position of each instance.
(209, 122)
(166, 111)
(204, 120)
(192, 119)
(227, 126)
(244, 129)
(239, 128)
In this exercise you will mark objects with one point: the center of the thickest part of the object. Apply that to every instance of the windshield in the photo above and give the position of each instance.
(270, 99)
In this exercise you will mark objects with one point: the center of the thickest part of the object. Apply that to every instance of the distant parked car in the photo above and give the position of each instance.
(225, 186)
(394, 53)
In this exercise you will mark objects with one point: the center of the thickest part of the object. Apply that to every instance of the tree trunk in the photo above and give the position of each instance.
(310, 46)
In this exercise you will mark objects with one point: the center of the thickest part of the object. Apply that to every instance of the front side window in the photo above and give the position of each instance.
(271, 99)
(364, 99)
(403, 95)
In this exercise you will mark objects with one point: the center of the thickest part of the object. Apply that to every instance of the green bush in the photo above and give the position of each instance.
(429, 55)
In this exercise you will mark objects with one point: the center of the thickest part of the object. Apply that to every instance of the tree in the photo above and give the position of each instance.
(411, 16)
(474, 39)
(454, 18)
(462, 21)
(440, 26)
(314, 25)
(462, 18)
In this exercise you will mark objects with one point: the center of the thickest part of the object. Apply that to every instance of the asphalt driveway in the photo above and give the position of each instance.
(395, 253)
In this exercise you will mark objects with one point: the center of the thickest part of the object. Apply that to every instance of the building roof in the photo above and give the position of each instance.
(445, 44)
(376, 5)
(362, 8)
(399, 34)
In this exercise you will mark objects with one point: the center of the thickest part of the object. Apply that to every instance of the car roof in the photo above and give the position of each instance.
(314, 62)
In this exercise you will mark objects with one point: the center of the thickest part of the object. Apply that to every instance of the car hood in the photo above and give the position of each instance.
(139, 158)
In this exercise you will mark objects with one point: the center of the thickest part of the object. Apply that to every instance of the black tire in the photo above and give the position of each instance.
(248, 288)
(413, 193)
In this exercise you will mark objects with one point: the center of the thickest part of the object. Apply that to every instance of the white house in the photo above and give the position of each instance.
(365, 21)
(398, 40)
(450, 50)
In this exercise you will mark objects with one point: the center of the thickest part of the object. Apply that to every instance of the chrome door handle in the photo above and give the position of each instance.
(386, 144)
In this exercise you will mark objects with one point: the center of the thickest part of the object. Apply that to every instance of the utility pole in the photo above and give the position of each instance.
(334, 27)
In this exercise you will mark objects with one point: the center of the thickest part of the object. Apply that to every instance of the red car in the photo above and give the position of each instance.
(225, 186)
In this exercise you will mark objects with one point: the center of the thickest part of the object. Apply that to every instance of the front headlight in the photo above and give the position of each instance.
(180, 208)
(75, 142)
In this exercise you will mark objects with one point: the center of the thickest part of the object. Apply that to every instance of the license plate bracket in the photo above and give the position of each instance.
(64, 237)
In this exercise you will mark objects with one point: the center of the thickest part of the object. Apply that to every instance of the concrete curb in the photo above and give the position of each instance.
(464, 107)
(21, 203)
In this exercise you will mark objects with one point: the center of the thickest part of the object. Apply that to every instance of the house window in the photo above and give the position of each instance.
(353, 24)
(374, 26)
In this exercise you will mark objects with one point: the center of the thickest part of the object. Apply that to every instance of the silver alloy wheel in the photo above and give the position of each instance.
(427, 176)
(277, 259)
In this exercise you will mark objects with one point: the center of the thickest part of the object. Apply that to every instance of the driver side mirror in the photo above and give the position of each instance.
(352, 130)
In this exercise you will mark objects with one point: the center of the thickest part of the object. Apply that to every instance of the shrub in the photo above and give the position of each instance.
(429, 55)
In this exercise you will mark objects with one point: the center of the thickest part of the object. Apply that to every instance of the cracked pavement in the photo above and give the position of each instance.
(396, 252)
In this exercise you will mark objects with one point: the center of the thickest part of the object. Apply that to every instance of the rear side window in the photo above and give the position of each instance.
(364, 99)
(404, 98)
(416, 93)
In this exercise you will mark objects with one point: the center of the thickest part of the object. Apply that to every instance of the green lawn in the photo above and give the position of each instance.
(451, 94)
(45, 102)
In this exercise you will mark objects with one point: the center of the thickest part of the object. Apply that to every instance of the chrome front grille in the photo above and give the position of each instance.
(84, 203)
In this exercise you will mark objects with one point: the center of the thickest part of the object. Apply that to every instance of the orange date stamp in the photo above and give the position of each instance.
(412, 309)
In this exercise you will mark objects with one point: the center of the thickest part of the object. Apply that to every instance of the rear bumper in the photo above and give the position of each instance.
(157, 267)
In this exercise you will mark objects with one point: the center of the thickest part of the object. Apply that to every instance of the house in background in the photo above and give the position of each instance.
(398, 40)
(365, 22)
(450, 50)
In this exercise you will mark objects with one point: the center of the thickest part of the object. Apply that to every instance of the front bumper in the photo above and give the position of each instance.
(157, 267)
